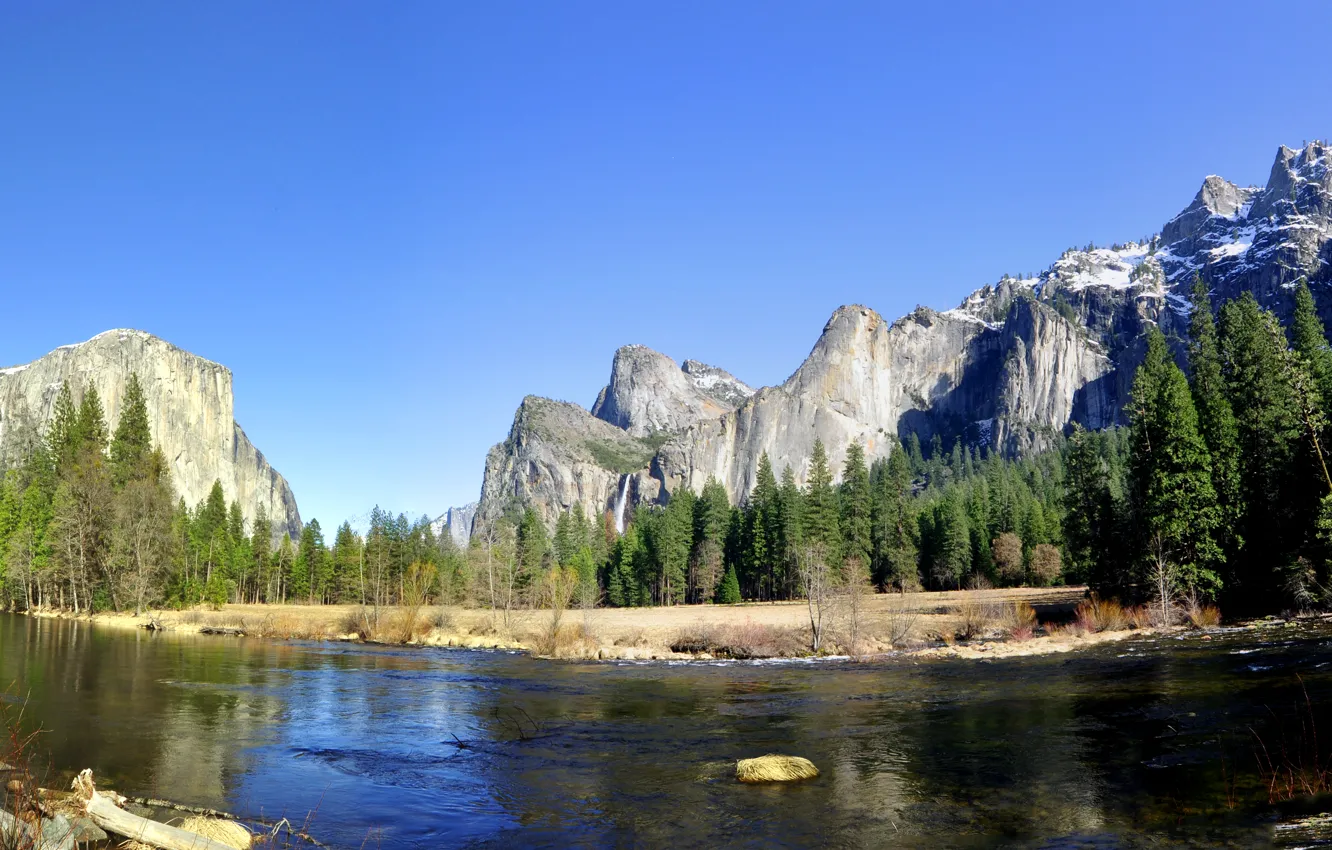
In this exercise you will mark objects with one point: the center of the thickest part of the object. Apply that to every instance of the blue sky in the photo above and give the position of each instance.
(393, 221)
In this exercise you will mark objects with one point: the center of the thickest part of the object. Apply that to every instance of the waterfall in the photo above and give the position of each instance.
(619, 505)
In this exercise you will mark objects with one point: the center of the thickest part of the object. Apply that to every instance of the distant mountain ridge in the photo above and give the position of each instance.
(1011, 367)
(190, 412)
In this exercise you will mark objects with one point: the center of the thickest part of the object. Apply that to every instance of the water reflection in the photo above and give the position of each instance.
(1145, 743)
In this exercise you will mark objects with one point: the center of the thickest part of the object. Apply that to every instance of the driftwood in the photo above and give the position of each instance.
(221, 630)
(105, 811)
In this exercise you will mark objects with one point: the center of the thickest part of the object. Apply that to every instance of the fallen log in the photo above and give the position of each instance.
(105, 811)
(221, 630)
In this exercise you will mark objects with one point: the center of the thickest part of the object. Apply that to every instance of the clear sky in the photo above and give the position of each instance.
(394, 220)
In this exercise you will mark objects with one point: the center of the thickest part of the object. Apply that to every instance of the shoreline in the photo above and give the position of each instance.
(891, 626)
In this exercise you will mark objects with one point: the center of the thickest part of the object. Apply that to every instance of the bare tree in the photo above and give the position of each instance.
(556, 591)
(854, 595)
(417, 586)
(1162, 575)
(816, 582)
(141, 539)
(81, 508)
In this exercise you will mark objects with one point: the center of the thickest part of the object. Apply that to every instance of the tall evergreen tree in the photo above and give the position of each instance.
(63, 438)
(822, 524)
(762, 514)
(1175, 504)
(893, 522)
(854, 501)
(1254, 361)
(92, 422)
(1309, 339)
(1216, 418)
(133, 440)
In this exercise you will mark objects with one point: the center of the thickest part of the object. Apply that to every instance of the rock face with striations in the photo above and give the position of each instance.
(649, 394)
(1010, 368)
(190, 412)
(457, 524)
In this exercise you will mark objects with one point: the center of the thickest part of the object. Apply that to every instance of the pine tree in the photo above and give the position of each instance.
(63, 438)
(822, 525)
(1174, 502)
(855, 507)
(1254, 362)
(1089, 524)
(672, 543)
(92, 422)
(728, 591)
(762, 530)
(952, 549)
(1216, 418)
(133, 440)
(712, 515)
(789, 524)
(1309, 339)
(893, 523)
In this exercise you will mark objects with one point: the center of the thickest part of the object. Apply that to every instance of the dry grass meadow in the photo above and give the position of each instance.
(966, 623)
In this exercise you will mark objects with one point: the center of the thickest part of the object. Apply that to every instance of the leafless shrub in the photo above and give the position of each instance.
(633, 637)
(853, 608)
(1139, 616)
(1101, 615)
(1020, 621)
(899, 618)
(1200, 614)
(740, 640)
(976, 617)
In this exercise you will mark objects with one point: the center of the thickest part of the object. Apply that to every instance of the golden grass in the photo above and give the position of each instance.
(744, 630)
(775, 768)
(1020, 620)
(976, 617)
(1101, 615)
(1202, 616)
(225, 832)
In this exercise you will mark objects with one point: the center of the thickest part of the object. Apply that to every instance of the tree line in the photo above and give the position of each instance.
(1217, 488)
(90, 521)
(1222, 488)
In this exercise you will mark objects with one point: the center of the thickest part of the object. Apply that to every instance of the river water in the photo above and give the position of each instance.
(1147, 742)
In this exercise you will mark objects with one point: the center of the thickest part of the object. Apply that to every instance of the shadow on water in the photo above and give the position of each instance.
(1148, 742)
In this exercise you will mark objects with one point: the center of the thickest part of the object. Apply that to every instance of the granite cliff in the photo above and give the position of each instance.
(190, 410)
(1013, 366)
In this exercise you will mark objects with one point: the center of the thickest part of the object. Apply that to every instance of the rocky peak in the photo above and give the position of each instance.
(1011, 367)
(718, 384)
(456, 523)
(649, 394)
(1278, 234)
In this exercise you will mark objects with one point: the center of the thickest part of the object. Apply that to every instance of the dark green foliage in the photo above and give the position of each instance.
(892, 523)
(1216, 418)
(133, 440)
(822, 523)
(1254, 361)
(728, 592)
(854, 498)
(1094, 506)
(1174, 505)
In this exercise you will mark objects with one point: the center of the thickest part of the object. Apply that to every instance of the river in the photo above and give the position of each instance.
(1146, 742)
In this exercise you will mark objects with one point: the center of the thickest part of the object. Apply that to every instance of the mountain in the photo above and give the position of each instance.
(457, 523)
(1011, 367)
(190, 411)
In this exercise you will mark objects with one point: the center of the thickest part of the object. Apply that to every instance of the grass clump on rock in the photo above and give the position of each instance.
(775, 768)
